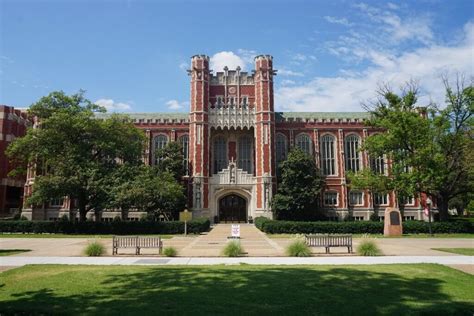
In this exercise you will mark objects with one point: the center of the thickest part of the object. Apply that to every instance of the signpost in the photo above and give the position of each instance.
(185, 217)
(235, 231)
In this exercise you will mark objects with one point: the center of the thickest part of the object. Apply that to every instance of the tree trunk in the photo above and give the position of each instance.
(124, 213)
(442, 208)
(82, 210)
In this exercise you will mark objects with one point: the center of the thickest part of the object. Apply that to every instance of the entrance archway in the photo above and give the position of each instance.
(232, 209)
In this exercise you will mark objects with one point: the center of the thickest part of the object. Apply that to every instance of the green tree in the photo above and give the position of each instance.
(301, 184)
(428, 147)
(75, 153)
(170, 159)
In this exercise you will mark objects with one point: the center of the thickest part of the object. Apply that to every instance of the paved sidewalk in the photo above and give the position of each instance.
(348, 260)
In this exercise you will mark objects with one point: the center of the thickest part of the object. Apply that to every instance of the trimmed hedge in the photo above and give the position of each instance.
(115, 227)
(361, 227)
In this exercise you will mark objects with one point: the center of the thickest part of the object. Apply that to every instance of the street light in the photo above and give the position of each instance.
(428, 204)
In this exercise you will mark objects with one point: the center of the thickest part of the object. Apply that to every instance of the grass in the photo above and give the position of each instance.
(459, 251)
(14, 235)
(276, 236)
(298, 248)
(9, 252)
(233, 249)
(426, 289)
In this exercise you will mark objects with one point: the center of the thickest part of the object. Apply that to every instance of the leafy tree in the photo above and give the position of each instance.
(301, 183)
(75, 153)
(428, 147)
(170, 159)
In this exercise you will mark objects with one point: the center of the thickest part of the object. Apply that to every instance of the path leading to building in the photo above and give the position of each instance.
(254, 242)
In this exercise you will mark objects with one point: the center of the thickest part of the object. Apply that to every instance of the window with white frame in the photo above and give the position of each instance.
(303, 142)
(356, 198)
(358, 218)
(280, 148)
(377, 165)
(244, 160)
(380, 198)
(220, 154)
(56, 202)
(330, 198)
(408, 218)
(185, 147)
(159, 142)
(328, 156)
(351, 151)
(407, 200)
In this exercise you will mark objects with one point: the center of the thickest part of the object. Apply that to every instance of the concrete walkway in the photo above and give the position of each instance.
(347, 260)
(254, 242)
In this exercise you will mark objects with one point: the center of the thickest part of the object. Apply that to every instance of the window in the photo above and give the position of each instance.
(351, 148)
(358, 218)
(244, 161)
(330, 198)
(185, 145)
(280, 148)
(328, 157)
(378, 165)
(380, 199)
(356, 198)
(56, 202)
(407, 200)
(220, 154)
(245, 101)
(159, 142)
(219, 101)
(408, 218)
(303, 142)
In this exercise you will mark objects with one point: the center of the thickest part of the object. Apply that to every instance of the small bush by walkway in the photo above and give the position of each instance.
(360, 227)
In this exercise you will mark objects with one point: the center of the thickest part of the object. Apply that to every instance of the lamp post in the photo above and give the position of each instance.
(428, 204)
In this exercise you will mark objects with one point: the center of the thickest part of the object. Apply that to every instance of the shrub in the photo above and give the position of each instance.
(64, 218)
(94, 249)
(115, 227)
(298, 248)
(233, 249)
(170, 252)
(368, 247)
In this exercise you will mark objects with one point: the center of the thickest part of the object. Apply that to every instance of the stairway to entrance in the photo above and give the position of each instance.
(254, 242)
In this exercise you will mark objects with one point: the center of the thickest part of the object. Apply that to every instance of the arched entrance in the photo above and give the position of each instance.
(232, 209)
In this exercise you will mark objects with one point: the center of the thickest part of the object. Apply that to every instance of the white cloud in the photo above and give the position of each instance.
(289, 73)
(112, 106)
(176, 105)
(183, 66)
(229, 59)
(392, 6)
(334, 20)
(348, 90)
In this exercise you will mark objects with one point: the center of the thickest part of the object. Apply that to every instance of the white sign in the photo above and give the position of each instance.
(235, 230)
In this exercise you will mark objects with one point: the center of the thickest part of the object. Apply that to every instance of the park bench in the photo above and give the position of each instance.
(137, 242)
(328, 241)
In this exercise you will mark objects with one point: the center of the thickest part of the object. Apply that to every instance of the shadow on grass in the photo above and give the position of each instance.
(241, 290)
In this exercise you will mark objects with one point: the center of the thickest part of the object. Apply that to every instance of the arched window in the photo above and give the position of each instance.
(351, 148)
(280, 148)
(303, 142)
(220, 154)
(244, 160)
(185, 145)
(159, 142)
(328, 156)
(378, 165)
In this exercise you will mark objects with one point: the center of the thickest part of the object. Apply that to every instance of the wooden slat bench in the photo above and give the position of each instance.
(137, 242)
(328, 241)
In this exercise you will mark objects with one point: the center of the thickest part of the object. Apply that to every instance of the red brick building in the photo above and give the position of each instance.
(13, 124)
(233, 141)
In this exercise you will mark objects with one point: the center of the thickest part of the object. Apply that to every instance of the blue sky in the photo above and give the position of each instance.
(131, 55)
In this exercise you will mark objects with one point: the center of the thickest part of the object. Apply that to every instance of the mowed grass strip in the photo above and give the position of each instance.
(14, 235)
(426, 289)
(10, 252)
(459, 251)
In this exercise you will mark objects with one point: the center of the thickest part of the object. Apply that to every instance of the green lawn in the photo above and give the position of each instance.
(459, 251)
(9, 252)
(422, 289)
(382, 236)
(14, 235)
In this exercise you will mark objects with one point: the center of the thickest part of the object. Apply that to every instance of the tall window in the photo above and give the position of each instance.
(330, 198)
(245, 154)
(159, 142)
(328, 157)
(185, 145)
(280, 148)
(303, 142)
(356, 198)
(380, 198)
(351, 148)
(220, 154)
(378, 165)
